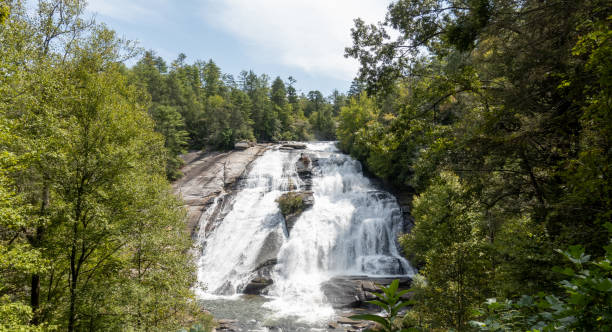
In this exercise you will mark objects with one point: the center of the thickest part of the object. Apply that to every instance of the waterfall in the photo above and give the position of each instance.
(350, 230)
(230, 251)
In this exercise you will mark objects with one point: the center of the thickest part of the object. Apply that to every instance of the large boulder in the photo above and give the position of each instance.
(257, 285)
(243, 145)
(353, 292)
(343, 293)
(293, 145)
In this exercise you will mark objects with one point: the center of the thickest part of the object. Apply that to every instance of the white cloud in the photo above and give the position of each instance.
(308, 34)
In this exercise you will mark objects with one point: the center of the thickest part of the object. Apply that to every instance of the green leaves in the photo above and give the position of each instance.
(501, 126)
(217, 110)
(586, 304)
(373, 318)
(390, 302)
(575, 254)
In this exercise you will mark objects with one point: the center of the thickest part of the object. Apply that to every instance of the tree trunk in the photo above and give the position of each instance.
(35, 298)
(35, 241)
(73, 284)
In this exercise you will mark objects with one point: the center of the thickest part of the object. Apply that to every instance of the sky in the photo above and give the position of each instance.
(300, 38)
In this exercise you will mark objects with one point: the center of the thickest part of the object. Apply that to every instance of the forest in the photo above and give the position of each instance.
(197, 106)
(495, 115)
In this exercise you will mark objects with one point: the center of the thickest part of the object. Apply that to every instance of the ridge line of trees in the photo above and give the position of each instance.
(196, 106)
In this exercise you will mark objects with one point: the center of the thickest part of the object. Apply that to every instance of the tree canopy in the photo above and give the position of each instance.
(91, 235)
(196, 106)
(497, 115)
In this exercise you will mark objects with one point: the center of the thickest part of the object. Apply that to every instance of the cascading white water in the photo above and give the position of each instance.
(350, 230)
(230, 250)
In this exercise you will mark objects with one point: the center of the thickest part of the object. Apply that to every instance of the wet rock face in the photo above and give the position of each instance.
(264, 265)
(404, 200)
(269, 250)
(380, 195)
(353, 292)
(385, 265)
(304, 167)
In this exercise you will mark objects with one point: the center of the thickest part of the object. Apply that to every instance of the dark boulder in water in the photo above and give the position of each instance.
(353, 291)
(257, 285)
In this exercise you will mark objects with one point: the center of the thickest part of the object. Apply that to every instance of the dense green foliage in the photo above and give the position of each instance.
(586, 306)
(91, 236)
(497, 114)
(196, 106)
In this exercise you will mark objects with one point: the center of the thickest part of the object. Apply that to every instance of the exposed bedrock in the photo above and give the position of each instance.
(209, 174)
(243, 145)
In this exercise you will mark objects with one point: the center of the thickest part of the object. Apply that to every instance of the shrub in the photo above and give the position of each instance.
(290, 203)
(586, 305)
(389, 301)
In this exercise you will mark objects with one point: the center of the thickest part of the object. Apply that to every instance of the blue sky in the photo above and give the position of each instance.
(301, 38)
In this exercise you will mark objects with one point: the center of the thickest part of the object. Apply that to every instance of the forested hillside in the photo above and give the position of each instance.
(196, 106)
(497, 115)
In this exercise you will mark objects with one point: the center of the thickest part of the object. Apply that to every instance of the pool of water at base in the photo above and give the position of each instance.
(250, 315)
